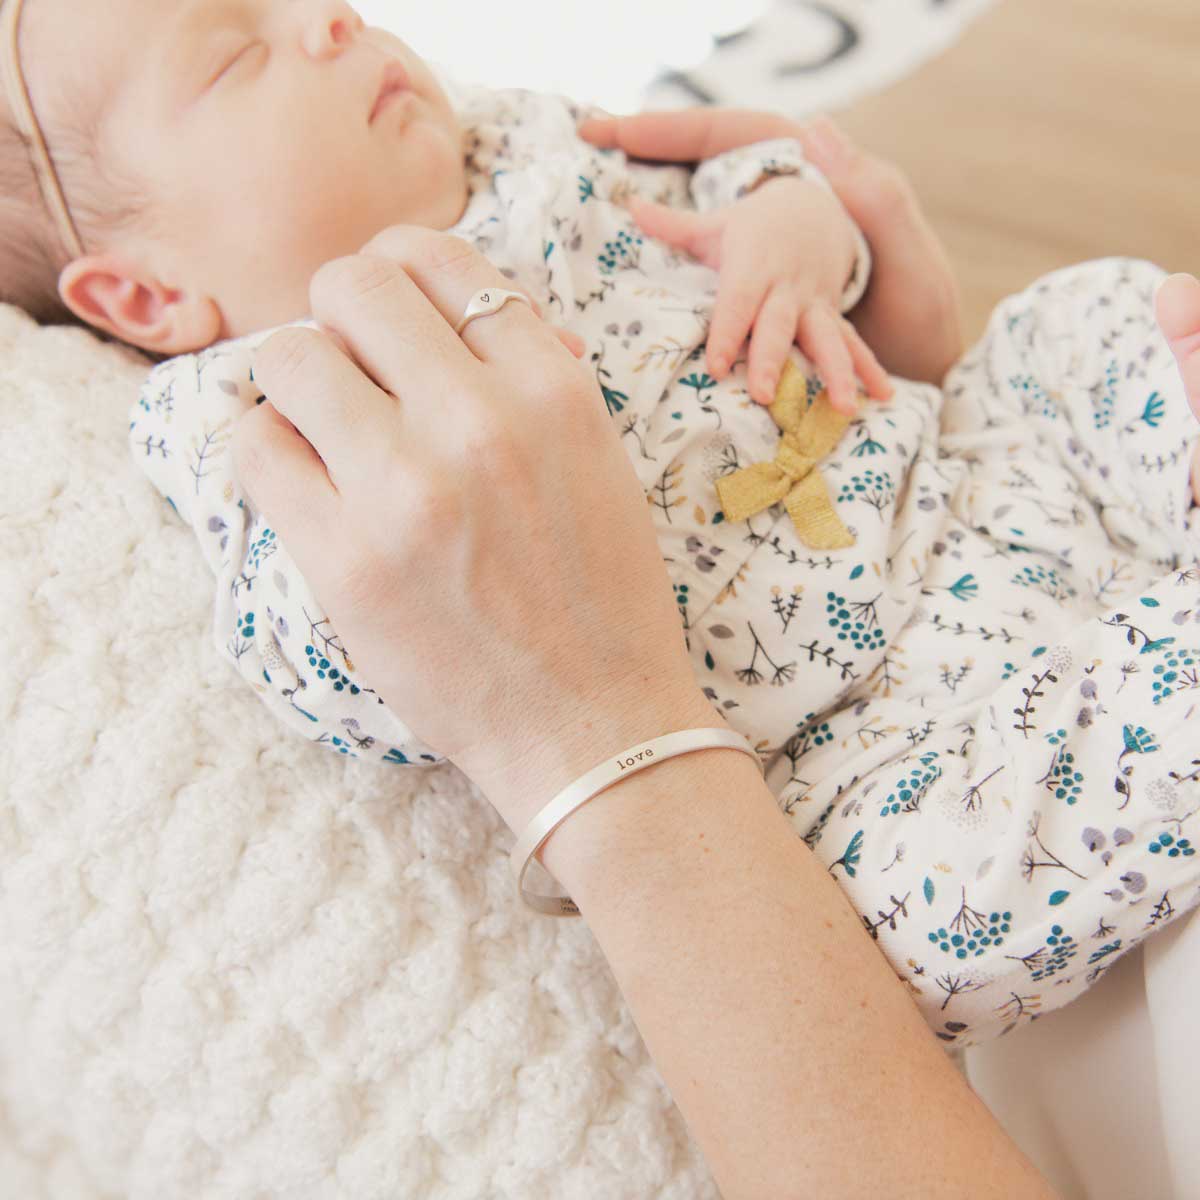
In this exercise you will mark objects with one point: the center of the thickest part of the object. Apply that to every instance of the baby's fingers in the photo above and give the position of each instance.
(820, 336)
(737, 304)
(774, 332)
(873, 377)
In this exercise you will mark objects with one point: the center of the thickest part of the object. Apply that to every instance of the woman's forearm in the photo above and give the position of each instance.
(796, 1057)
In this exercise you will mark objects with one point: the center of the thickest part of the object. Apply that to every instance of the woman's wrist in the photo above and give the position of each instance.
(524, 782)
(633, 829)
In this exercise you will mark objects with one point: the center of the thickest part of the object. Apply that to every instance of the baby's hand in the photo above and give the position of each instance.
(1177, 307)
(784, 253)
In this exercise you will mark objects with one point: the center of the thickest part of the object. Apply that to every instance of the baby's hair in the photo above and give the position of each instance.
(103, 201)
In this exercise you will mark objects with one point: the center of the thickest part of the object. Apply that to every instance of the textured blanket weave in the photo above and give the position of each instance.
(232, 964)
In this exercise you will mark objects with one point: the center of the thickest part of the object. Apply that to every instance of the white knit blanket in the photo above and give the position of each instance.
(231, 963)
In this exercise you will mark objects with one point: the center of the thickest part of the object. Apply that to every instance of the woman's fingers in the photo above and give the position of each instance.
(911, 314)
(448, 271)
(685, 135)
(291, 451)
(395, 305)
(874, 193)
(394, 330)
(284, 476)
(774, 332)
(820, 337)
(571, 341)
(393, 309)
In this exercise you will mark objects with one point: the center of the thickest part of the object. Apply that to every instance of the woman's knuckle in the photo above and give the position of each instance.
(353, 277)
(286, 355)
(415, 249)
(449, 253)
(393, 242)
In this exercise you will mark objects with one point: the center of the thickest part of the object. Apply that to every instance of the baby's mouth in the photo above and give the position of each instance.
(395, 79)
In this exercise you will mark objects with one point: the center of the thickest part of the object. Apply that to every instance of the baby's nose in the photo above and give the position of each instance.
(330, 25)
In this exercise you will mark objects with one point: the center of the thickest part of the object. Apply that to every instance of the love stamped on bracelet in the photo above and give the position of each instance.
(592, 783)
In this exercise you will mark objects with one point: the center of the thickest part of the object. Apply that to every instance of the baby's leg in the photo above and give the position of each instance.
(1004, 854)
(1073, 414)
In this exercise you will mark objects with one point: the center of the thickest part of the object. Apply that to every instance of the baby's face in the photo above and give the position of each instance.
(252, 122)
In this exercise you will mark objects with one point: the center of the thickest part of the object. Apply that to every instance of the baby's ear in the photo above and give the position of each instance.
(115, 293)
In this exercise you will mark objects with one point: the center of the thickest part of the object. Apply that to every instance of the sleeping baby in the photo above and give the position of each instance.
(961, 626)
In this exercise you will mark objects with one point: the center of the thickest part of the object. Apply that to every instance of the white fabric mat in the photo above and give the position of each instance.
(233, 963)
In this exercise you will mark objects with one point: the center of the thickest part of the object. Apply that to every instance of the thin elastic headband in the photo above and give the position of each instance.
(21, 104)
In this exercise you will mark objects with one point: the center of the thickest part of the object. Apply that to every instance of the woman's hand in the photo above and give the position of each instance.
(463, 508)
(783, 253)
(910, 315)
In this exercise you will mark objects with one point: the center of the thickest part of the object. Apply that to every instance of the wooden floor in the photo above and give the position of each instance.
(1054, 131)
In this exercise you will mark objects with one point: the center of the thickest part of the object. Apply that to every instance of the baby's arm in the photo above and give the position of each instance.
(784, 247)
(267, 623)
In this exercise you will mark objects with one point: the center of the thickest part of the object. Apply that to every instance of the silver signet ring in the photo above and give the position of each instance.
(486, 302)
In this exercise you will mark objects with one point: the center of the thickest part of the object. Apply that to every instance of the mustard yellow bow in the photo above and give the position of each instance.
(809, 433)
